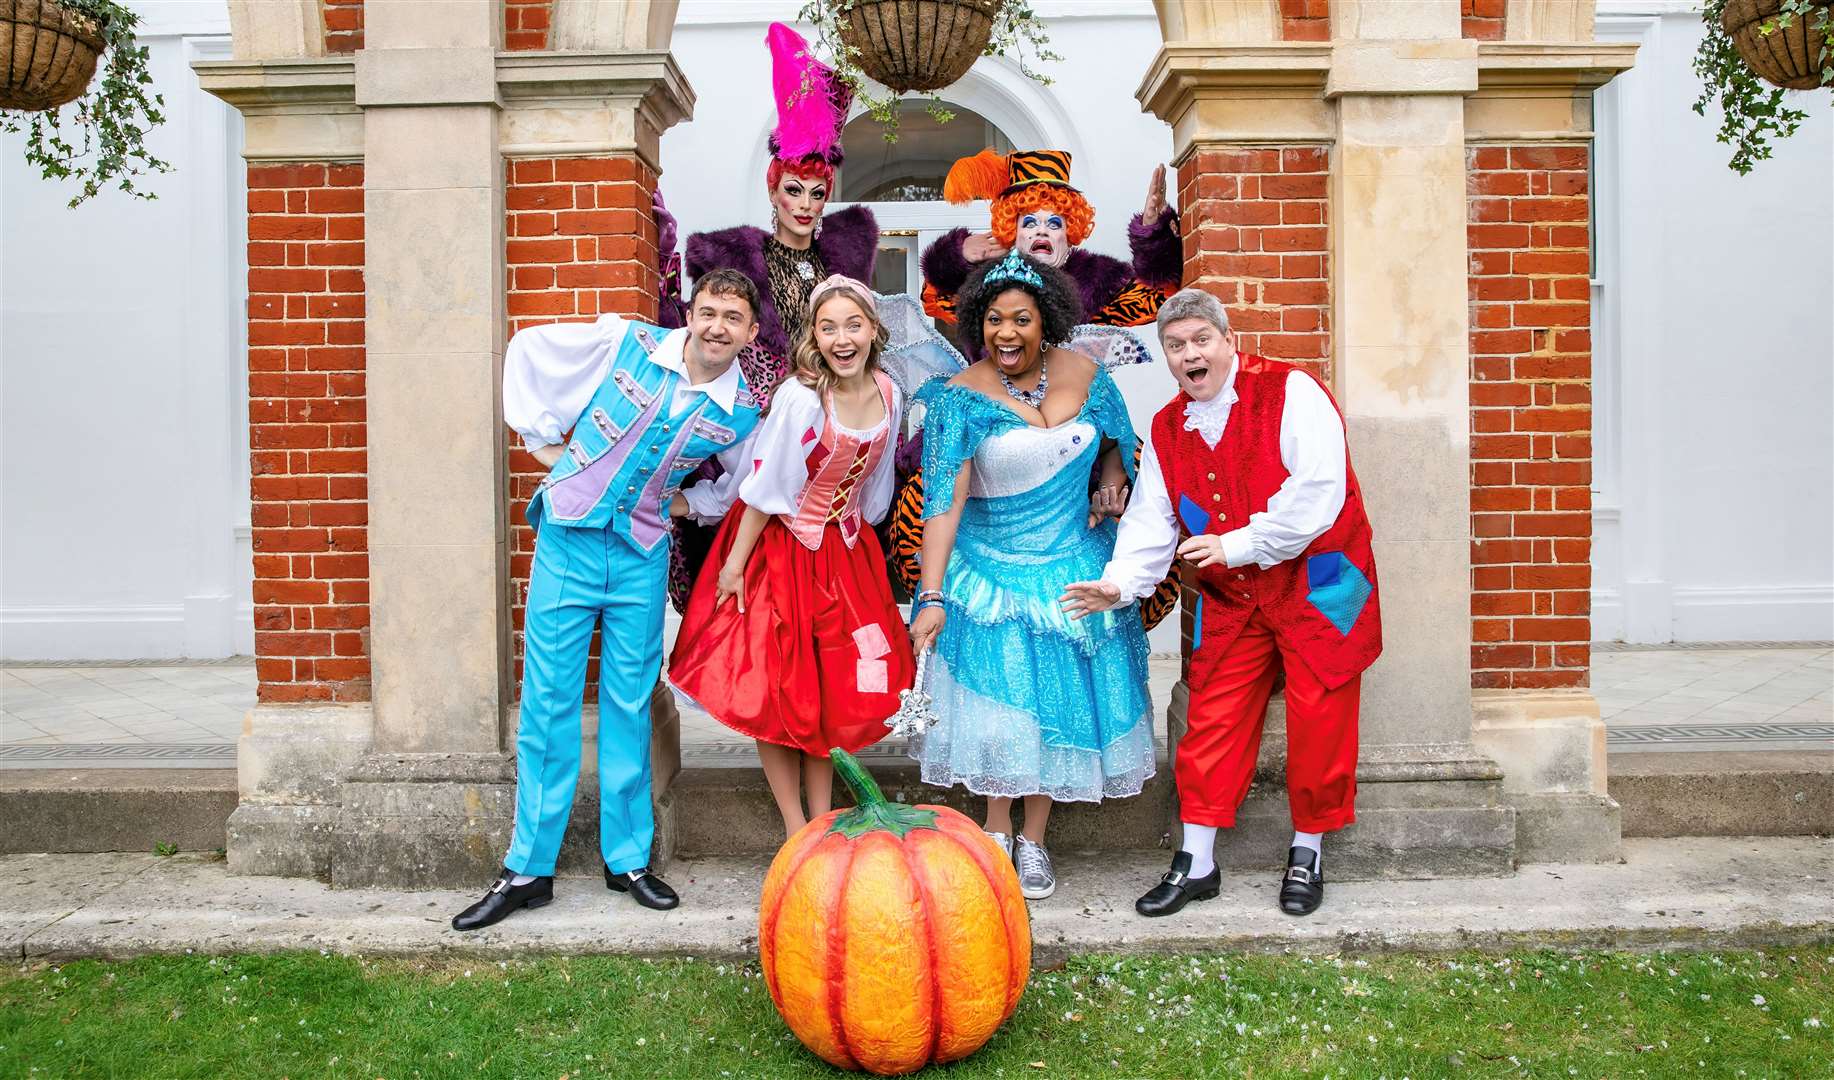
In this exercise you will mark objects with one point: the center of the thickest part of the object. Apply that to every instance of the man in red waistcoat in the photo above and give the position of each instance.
(1246, 477)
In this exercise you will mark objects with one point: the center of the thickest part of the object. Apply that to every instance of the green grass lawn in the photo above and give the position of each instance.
(1758, 1014)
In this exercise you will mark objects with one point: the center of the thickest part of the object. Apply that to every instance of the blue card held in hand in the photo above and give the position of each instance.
(1196, 521)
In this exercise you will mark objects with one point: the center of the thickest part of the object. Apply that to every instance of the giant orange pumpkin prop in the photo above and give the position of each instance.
(892, 936)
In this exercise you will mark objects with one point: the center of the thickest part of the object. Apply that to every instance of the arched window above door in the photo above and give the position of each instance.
(911, 169)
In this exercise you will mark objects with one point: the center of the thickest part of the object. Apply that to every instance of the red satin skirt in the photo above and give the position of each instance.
(819, 654)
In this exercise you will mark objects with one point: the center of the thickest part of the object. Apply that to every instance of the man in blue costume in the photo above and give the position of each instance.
(645, 407)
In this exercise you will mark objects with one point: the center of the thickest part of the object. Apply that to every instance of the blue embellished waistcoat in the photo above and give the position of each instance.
(628, 456)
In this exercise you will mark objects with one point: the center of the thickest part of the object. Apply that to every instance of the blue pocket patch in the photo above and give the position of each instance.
(1338, 589)
(1194, 518)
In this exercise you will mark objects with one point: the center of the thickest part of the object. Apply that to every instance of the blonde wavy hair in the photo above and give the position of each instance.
(811, 368)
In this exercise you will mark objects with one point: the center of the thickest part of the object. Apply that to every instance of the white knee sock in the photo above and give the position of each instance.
(1200, 844)
(1315, 843)
(521, 879)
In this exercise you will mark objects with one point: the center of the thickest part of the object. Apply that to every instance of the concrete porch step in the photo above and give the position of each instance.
(1724, 792)
(71, 810)
(1404, 827)
(1736, 893)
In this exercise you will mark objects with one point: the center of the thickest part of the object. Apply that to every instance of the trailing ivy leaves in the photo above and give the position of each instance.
(1017, 31)
(1753, 113)
(111, 118)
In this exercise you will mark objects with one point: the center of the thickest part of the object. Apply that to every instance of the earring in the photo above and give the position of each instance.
(818, 228)
(774, 226)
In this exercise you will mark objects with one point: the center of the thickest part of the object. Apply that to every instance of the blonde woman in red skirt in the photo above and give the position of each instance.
(791, 635)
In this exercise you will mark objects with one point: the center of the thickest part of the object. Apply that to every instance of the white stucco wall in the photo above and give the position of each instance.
(1714, 361)
(123, 451)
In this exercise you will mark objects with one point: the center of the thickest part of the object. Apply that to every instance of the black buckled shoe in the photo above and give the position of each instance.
(1177, 888)
(1303, 887)
(503, 900)
(646, 888)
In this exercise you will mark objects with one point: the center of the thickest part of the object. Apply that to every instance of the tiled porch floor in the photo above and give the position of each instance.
(188, 715)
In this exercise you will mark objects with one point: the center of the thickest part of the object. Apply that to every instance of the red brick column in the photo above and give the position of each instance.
(307, 432)
(1531, 416)
(1255, 235)
(581, 242)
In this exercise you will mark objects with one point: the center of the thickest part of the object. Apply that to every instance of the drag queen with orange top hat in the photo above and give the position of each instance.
(791, 635)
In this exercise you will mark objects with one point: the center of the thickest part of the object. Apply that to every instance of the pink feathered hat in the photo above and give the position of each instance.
(811, 101)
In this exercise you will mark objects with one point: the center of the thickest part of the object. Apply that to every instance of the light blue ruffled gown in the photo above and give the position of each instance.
(1029, 701)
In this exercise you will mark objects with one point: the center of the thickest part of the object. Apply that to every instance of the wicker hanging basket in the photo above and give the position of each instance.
(919, 44)
(1785, 57)
(47, 54)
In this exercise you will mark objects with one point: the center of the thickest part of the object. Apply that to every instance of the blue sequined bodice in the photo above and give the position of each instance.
(1024, 534)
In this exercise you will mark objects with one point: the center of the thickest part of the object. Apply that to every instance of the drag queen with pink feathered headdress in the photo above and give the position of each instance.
(802, 246)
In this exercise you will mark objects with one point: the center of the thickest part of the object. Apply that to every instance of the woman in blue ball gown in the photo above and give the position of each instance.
(1029, 703)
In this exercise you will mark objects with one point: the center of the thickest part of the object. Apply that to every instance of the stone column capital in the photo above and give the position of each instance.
(1216, 93)
(1541, 90)
(1429, 66)
(294, 109)
(559, 104)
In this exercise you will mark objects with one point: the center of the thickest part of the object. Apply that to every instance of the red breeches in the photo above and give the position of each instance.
(1216, 758)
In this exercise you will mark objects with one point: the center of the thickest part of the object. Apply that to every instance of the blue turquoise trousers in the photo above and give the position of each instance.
(582, 577)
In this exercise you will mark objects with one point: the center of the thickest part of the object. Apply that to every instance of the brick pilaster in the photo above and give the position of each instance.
(307, 433)
(581, 242)
(1531, 416)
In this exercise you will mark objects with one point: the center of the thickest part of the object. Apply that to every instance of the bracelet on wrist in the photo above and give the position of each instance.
(921, 604)
(930, 594)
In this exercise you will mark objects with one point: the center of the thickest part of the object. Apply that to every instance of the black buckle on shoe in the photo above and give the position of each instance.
(1173, 877)
(1300, 874)
(638, 874)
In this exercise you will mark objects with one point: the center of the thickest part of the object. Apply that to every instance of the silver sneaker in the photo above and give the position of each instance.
(1037, 879)
(1002, 841)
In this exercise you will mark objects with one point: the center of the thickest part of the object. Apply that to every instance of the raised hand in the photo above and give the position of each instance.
(979, 247)
(1082, 598)
(1155, 199)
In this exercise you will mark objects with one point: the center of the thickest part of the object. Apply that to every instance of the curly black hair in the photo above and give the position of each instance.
(1059, 303)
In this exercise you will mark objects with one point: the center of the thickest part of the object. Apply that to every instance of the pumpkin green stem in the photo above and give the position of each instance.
(872, 810)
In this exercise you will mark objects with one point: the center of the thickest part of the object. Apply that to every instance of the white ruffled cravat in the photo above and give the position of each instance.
(1208, 418)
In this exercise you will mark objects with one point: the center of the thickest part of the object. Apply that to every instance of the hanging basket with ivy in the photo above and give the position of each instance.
(1783, 52)
(918, 44)
(49, 52)
(921, 45)
(1752, 55)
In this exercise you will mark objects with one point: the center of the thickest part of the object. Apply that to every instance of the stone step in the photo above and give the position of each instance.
(1724, 793)
(80, 810)
(1408, 826)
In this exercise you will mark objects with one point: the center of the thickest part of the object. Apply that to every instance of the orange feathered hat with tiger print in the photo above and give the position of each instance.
(1021, 181)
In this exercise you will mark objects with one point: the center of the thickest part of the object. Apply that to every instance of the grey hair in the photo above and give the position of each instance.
(1192, 303)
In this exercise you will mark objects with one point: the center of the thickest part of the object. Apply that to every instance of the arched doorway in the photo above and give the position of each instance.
(902, 182)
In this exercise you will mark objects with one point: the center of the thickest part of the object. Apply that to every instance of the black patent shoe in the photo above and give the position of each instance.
(646, 888)
(1177, 888)
(503, 900)
(1303, 887)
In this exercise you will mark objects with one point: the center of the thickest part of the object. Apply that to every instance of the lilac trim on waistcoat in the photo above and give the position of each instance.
(573, 497)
